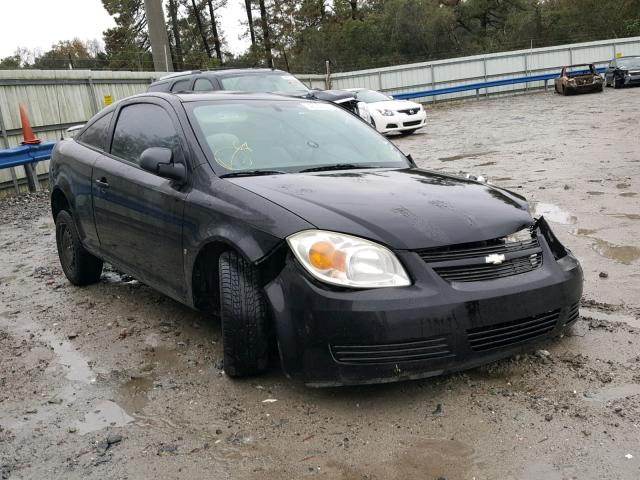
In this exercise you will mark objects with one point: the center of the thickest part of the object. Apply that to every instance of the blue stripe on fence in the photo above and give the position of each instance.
(14, 157)
(482, 85)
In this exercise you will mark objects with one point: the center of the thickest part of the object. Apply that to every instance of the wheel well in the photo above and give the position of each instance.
(204, 277)
(58, 202)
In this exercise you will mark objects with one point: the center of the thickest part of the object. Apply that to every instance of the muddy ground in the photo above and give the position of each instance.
(117, 381)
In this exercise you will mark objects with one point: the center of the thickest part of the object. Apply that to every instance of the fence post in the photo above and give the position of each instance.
(14, 177)
(380, 81)
(433, 82)
(327, 78)
(484, 65)
(92, 94)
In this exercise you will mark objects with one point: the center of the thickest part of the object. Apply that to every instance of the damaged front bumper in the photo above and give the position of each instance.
(329, 337)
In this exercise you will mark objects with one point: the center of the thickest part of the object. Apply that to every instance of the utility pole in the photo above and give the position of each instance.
(158, 36)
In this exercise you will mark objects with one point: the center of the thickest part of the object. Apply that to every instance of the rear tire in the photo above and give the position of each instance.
(79, 266)
(243, 314)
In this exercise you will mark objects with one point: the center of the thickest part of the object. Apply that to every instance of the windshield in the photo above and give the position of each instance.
(576, 70)
(263, 83)
(287, 135)
(371, 96)
(629, 62)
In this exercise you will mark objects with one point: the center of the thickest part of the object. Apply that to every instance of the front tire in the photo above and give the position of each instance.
(79, 266)
(243, 314)
(616, 84)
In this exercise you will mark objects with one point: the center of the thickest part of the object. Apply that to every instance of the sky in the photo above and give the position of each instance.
(39, 24)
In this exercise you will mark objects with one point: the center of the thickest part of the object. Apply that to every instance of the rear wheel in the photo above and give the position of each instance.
(243, 314)
(78, 265)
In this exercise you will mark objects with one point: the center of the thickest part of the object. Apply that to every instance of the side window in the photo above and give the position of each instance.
(612, 65)
(96, 134)
(202, 85)
(181, 85)
(141, 126)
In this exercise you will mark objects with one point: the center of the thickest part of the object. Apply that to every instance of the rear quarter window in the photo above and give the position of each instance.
(159, 87)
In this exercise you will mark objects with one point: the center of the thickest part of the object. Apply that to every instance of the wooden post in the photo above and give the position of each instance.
(327, 78)
(14, 177)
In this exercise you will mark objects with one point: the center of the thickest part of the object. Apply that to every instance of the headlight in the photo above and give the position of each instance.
(348, 261)
(386, 113)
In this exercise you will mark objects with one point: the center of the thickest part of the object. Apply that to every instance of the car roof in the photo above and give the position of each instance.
(188, 97)
(221, 73)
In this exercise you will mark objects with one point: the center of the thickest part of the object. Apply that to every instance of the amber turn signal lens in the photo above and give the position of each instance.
(321, 255)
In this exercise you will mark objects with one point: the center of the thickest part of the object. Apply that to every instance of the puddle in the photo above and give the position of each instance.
(584, 231)
(553, 213)
(486, 164)
(610, 317)
(629, 216)
(626, 254)
(74, 365)
(132, 395)
(106, 414)
(595, 193)
(622, 186)
(615, 393)
(503, 179)
(465, 155)
(628, 194)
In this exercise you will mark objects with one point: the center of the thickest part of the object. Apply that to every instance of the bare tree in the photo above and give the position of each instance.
(214, 28)
(196, 14)
(265, 33)
(173, 13)
(252, 32)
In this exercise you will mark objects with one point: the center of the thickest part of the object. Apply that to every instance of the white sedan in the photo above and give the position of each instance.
(389, 115)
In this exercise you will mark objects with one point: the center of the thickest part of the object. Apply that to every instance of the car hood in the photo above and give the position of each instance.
(404, 209)
(393, 105)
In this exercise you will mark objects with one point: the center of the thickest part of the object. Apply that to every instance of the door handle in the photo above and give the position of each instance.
(102, 183)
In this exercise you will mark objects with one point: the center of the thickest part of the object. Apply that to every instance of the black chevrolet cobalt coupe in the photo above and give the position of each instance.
(299, 224)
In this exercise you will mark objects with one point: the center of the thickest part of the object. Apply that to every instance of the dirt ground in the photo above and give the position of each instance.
(117, 381)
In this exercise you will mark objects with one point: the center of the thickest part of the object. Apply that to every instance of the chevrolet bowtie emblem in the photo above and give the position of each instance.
(495, 258)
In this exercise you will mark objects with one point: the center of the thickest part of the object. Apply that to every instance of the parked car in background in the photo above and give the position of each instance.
(261, 80)
(623, 72)
(389, 115)
(295, 221)
(582, 78)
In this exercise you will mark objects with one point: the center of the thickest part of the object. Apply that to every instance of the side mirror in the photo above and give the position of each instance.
(159, 160)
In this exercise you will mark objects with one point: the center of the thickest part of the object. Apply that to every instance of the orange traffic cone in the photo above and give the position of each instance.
(27, 131)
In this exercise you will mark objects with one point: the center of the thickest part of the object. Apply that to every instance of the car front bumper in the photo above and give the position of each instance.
(329, 337)
(400, 122)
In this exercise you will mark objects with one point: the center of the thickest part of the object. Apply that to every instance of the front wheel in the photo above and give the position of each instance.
(78, 265)
(243, 314)
(616, 84)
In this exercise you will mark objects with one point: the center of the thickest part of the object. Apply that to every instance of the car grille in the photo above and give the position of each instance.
(471, 263)
(412, 123)
(476, 273)
(475, 250)
(510, 333)
(410, 111)
(428, 349)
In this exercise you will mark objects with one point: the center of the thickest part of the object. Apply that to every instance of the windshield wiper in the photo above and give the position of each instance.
(337, 166)
(252, 173)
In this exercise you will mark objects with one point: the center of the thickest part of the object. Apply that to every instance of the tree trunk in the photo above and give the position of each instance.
(354, 9)
(196, 13)
(214, 29)
(173, 12)
(252, 32)
(265, 34)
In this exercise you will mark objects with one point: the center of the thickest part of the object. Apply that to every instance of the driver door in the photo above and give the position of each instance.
(138, 214)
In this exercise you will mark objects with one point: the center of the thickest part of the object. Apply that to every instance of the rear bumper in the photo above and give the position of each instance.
(329, 337)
